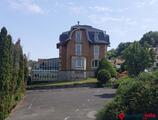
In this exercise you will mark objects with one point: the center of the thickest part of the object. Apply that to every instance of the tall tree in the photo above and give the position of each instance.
(13, 70)
(25, 68)
(5, 72)
(138, 58)
(5, 60)
(19, 65)
(121, 48)
(111, 54)
(150, 38)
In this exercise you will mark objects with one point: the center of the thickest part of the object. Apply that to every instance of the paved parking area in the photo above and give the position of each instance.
(62, 104)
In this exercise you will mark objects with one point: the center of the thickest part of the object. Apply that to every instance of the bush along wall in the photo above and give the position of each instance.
(105, 71)
(13, 72)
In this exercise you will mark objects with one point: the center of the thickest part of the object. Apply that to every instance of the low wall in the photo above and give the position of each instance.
(74, 75)
(60, 75)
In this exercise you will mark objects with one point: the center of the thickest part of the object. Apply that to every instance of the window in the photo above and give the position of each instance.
(95, 63)
(96, 36)
(78, 49)
(96, 51)
(78, 36)
(79, 62)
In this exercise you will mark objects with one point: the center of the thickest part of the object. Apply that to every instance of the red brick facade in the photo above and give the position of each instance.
(67, 51)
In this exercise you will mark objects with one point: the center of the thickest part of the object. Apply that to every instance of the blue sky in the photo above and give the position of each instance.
(38, 23)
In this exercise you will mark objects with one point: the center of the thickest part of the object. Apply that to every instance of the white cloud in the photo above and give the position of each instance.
(148, 20)
(152, 2)
(144, 3)
(101, 9)
(26, 6)
(122, 9)
(77, 9)
(141, 4)
(101, 19)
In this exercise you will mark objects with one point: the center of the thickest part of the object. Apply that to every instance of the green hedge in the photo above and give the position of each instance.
(139, 95)
(13, 73)
(120, 81)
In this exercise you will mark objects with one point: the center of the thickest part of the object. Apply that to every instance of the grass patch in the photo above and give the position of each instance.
(63, 83)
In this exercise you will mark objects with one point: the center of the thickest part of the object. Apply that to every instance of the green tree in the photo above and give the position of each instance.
(13, 70)
(25, 68)
(138, 58)
(121, 48)
(150, 38)
(20, 66)
(104, 64)
(111, 54)
(5, 71)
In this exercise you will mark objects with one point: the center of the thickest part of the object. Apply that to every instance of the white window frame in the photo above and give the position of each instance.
(93, 63)
(78, 49)
(81, 64)
(78, 66)
(96, 50)
(78, 36)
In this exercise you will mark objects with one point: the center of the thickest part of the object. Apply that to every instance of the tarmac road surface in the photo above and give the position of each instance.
(62, 104)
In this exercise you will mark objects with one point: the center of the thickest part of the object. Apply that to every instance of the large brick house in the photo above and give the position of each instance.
(80, 50)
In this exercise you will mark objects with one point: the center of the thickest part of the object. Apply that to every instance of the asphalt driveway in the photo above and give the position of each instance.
(62, 104)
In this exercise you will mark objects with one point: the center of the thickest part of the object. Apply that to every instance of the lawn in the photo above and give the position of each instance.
(63, 83)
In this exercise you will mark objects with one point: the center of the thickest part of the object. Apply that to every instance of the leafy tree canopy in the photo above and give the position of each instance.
(111, 54)
(121, 48)
(138, 58)
(150, 38)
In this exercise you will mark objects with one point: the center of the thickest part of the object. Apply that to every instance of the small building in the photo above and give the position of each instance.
(45, 70)
(117, 62)
(156, 58)
(80, 50)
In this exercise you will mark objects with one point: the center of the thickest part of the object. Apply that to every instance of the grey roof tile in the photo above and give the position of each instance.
(94, 35)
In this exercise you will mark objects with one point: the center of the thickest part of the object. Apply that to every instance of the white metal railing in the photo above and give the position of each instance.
(44, 75)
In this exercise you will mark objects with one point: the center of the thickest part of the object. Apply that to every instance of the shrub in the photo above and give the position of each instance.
(151, 78)
(117, 82)
(104, 64)
(132, 97)
(144, 76)
(110, 111)
(155, 73)
(103, 76)
(137, 93)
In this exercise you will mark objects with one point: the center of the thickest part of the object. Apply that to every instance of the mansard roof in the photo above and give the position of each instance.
(92, 34)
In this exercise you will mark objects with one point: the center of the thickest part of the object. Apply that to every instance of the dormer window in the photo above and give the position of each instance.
(78, 36)
(96, 36)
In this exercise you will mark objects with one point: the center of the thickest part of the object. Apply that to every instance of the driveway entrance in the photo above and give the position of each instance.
(62, 104)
